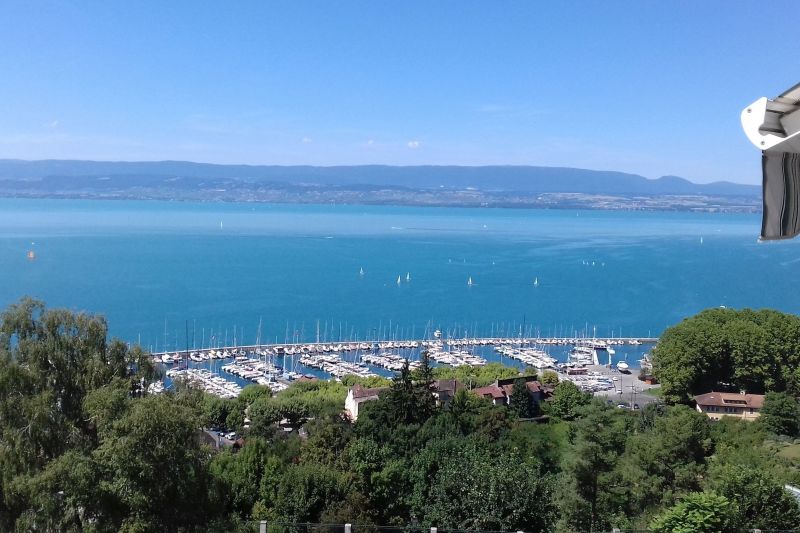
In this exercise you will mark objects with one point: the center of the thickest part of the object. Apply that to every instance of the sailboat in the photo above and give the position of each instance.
(536, 282)
(408, 276)
(399, 281)
(469, 282)
(701, 239)
(361, 271)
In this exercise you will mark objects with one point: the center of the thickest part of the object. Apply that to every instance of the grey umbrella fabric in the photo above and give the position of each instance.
(781, 183)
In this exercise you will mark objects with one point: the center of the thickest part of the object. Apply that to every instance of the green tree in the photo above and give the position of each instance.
(152, 469)
(409, 402)
(520, 401)
(587, 501)
(666, 461)
(104, 406)
(464, 409)
(305, 491)
(216, 411)
(547, 442)
(239, 475)
(265, 412)
(63, 385)
(475, 376)
(780, 414)
(327, 440)
(699, 512)
(424, 388)
(550, 377)
(760, 498)
(567, 400)
(752, 350)
(64, 496)
(325, 398)
(476, 487)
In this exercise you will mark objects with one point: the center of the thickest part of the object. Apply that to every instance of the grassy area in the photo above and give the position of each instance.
(791, 452)
(655, 392)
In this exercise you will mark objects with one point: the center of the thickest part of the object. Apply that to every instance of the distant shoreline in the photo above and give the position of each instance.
(528, 187)
(448, 199)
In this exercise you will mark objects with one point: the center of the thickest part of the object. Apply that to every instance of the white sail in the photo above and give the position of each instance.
(399, 280)
(361, 271)
(469, 281)
(408, 276)
(536, 282)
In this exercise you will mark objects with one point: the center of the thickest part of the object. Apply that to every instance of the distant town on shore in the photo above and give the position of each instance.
(445, 186)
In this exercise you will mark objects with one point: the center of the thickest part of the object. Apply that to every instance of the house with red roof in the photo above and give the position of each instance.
(499, 392)
(715, 405)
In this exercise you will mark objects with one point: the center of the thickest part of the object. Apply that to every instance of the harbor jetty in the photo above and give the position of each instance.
(201, 354)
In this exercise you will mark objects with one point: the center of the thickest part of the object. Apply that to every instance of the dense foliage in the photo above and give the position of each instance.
(756, 351)
(84, 448)
(475, 376)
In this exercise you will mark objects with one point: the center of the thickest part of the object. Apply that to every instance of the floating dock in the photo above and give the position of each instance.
(259, 363)
(364, 346)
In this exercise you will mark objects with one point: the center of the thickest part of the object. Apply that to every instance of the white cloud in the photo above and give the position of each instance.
(306, 140)
(370, 142)
(53, 125)
(413, 144)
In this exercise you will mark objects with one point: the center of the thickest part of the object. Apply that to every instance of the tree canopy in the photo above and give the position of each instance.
(84, 447)
(756, 351)
(780, 414)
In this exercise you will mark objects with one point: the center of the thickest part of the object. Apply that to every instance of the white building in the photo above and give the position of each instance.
(358, 395)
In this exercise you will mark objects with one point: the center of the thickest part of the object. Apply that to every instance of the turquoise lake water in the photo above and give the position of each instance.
(222, 268)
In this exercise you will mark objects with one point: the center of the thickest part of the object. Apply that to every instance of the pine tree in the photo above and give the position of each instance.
(402, 397)
(424, 388)
(520, 401)
(425, 369)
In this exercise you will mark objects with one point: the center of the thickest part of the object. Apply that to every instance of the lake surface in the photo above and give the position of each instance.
(158, 269)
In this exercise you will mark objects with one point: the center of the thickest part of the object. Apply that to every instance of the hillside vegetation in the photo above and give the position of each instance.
(83, 447)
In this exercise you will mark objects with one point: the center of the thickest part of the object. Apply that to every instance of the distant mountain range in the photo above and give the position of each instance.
(57, 176)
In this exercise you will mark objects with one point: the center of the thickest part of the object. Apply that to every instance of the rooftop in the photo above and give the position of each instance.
(729, 399)
(363, 392)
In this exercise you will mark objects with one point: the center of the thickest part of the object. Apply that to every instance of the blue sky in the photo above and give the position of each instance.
(653, 88)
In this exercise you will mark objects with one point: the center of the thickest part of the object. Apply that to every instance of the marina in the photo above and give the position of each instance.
(225, 370)
(206, 381)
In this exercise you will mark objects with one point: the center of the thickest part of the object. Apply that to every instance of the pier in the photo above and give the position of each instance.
(224, 370)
